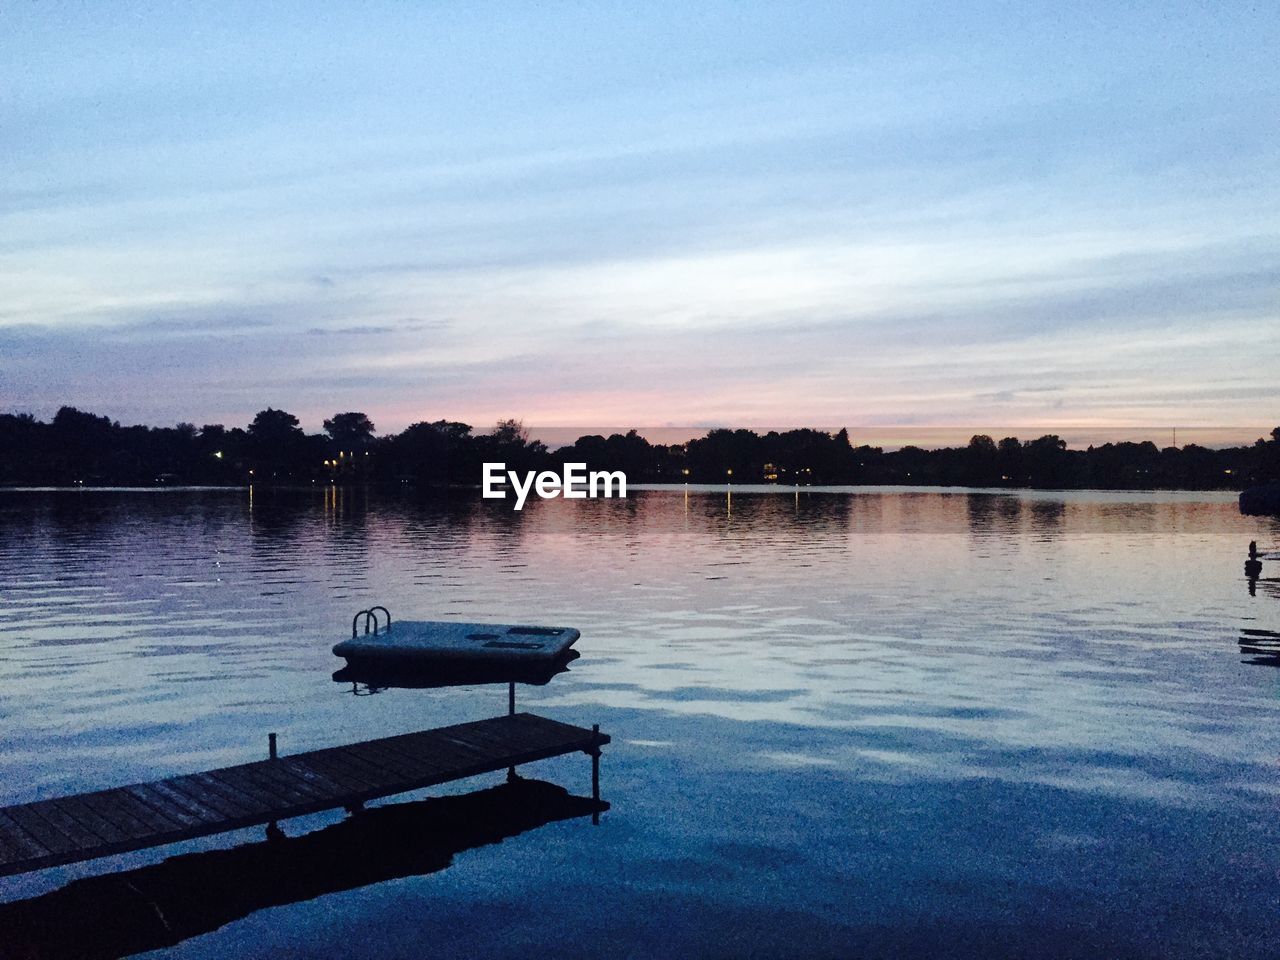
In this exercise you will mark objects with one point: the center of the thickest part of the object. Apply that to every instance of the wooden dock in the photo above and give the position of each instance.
(67, 829)
(125, 912)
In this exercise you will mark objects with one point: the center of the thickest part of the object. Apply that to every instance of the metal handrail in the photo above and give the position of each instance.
(370, 618)
(356, 619)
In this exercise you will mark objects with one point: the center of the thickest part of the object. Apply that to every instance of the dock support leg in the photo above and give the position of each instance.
(274, 833)
(511, 712)
(595, 775)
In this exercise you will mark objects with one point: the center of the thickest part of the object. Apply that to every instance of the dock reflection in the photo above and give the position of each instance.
(1262, 647)
(157, 906)
(1270, 586)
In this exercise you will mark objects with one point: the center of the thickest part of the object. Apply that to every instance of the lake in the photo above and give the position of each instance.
(878, 722)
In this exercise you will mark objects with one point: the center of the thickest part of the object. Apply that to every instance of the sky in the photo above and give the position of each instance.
(874, 215)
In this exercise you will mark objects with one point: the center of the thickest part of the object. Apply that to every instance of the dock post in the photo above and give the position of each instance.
(595, 773)
(511, 712)
(274, 833)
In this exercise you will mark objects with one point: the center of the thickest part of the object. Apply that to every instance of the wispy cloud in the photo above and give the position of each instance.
(854, 214)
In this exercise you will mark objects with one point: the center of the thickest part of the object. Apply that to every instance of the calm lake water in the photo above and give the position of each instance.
(846, 723)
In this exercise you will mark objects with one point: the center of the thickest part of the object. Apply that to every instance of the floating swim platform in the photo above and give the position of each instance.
(377, 675)
(439, 641)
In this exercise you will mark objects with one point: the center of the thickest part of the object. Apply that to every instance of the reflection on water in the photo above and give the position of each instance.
(980, 723)
(123, 913)
(1262, 646)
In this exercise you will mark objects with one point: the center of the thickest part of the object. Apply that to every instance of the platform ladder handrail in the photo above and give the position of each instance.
(370, 618)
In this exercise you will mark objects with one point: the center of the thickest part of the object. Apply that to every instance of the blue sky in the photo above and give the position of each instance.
(846, 214)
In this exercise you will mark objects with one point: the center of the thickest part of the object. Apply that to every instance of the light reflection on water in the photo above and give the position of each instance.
(918, 713)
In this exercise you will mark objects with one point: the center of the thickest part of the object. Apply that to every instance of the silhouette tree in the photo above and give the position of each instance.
(510, 433)
(77, 446)
(981, 467)
(350, 431)
(436, 452)
(1268, 468)
(510, 443)
(1009, 461)
(81, 443)
(274, 425)
(727, 455)
(1047, 461)
(276, 443)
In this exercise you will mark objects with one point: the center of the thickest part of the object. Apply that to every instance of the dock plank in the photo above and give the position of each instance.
(408, 765)
(278, 788)
(148, 794)
(75, 807)
(20, 839)
(199, 792)
(286, 778)
(360, 768)
(16, 846)
(48, 836)
(182, 799)
(81, 835)
(393, 769)
(361, 778)
(439, 751)
(312, 776)
(121, 803)
(323, 769)
(83, 826)
(240, 802)
(106, 805)
(240, 780)
(12, 848)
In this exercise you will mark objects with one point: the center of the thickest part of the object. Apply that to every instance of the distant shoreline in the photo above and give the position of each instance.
(749, 488)
(79, 449)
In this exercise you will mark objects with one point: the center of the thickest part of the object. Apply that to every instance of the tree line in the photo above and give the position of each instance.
(76, 447)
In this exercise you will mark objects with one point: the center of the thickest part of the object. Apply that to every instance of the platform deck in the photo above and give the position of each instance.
(83, 826)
